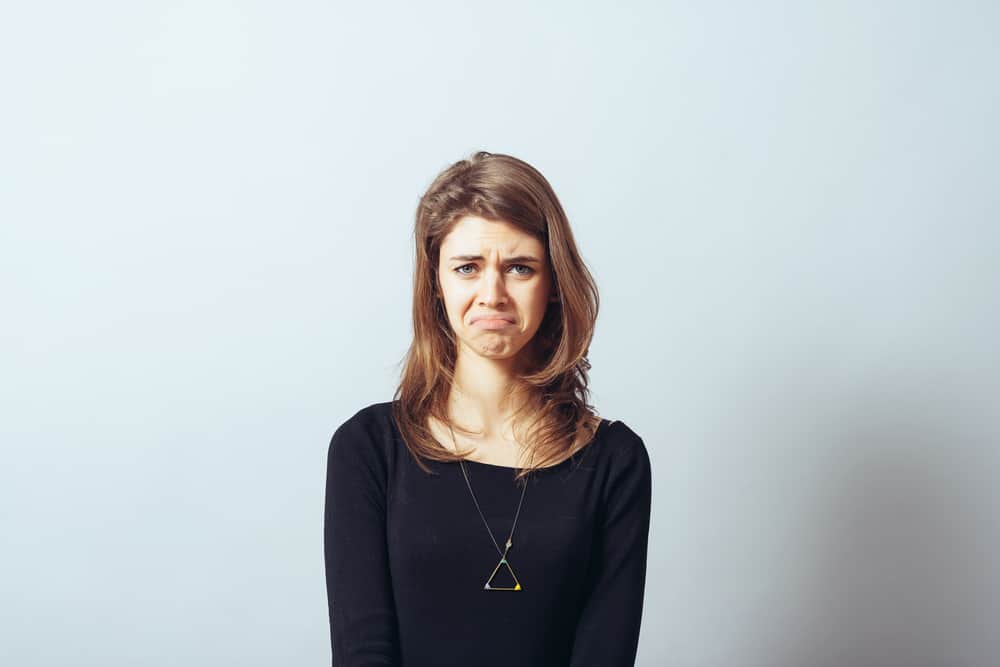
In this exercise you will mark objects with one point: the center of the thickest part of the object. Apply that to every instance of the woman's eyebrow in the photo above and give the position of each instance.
(522, 259)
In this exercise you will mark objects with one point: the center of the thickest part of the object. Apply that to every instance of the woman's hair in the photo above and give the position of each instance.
(553, 385)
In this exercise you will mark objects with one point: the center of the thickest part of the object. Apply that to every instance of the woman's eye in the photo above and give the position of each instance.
(527, 272)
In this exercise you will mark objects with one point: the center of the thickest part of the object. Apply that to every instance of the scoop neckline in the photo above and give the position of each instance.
(603, 423)
(498, 466)
(503, 467)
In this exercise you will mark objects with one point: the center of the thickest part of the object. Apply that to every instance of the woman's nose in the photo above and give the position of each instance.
(492, 288)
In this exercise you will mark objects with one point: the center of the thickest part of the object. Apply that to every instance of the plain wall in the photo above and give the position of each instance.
(791, 210)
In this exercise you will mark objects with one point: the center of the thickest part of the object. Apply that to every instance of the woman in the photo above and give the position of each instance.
(486, 515)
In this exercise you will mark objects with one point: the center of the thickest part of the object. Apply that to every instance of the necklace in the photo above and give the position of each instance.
(509, 543)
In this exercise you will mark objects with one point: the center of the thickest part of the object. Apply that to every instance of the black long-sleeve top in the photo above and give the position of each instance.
(407, 554)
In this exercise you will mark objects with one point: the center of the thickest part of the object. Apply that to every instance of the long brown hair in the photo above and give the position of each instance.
(553, 387)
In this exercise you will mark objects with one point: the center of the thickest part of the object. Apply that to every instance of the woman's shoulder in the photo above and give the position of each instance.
(620, 433)
(368, 416)
(366, 433)
(619, 441)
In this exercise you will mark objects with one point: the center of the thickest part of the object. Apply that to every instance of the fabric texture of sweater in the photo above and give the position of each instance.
(408, 556)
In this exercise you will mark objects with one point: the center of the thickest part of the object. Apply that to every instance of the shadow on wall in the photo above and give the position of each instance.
(899, 556)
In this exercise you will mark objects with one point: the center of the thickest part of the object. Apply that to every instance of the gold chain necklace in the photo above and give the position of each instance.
(509, 543)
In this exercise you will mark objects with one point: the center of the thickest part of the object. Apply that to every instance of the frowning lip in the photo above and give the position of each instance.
(492, 316)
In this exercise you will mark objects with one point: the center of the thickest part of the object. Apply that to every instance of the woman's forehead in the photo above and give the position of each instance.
(473, 235)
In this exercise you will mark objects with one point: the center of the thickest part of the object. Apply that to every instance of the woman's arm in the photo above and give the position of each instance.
(607, 634)
(363, 629)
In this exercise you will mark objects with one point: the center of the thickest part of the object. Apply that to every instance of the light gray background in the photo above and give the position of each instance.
(205, 266)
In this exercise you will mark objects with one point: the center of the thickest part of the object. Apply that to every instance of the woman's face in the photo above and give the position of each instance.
(496, 285)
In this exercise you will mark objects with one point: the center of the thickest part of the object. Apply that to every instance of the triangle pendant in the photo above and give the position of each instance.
(491, 586)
